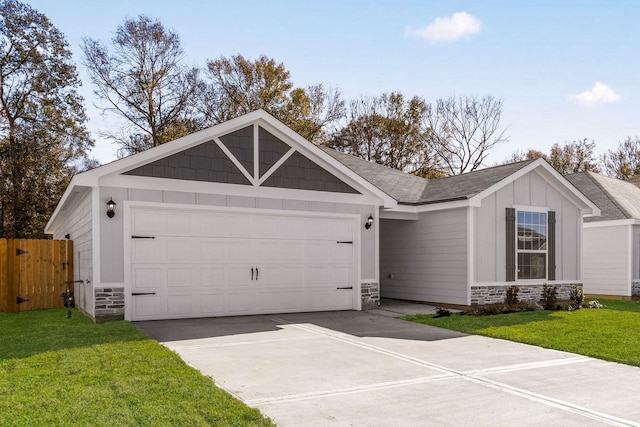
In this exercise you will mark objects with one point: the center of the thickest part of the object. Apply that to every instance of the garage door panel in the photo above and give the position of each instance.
(341, 276)
(178, 224)
(237, 250)
(181, 277)
(265, 251)
(147, 277)
(148, 306)
(341, 253)
(291, 276)
(212, 250)
(146, 222)
(178, 250)
(212, 303)
(180, 305)
(200, 264)
(146, 250)
(211, 277)
(292, 252)
(318, 252)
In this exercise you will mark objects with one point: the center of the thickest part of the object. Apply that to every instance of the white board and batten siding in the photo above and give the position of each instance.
(425, 259)
(530, 190)
(189, 262)
(608, 265)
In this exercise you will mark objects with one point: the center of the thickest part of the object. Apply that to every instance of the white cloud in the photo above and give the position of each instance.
(599, 94)
(447, 29)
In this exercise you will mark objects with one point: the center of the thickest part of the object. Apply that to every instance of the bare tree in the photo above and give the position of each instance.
(464, 130)
(142, 80)
(624, 162)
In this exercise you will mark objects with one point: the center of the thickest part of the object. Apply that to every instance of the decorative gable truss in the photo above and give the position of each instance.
(247, 156)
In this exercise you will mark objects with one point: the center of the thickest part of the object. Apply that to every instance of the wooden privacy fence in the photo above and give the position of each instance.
(33, 273)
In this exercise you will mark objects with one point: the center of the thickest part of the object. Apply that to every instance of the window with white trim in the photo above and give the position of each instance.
(531, 245)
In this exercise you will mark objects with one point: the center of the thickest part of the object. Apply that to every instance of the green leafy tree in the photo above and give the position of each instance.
(463, 131)
(237, 86)
(142, 80)
(390, 131)
(43, 140)
(624, 162)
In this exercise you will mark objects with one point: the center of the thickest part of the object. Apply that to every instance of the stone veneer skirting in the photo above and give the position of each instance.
(109, 304)
(635, 288)
(370, 294)
(490, 294)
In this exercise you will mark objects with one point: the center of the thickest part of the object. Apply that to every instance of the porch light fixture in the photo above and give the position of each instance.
(369, 222)
(111, 208)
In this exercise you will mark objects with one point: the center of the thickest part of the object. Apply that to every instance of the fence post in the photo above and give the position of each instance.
(13, 282)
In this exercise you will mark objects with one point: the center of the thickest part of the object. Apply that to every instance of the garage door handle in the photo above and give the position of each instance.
(346, 287)
(142, 293)
(257, 272)
(251, 273)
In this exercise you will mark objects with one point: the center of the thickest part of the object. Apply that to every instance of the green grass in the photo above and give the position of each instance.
(610, 333)
(63, 372)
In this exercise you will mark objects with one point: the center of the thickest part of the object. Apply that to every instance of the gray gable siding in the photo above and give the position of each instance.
(298, 172)
(240, 143)
(205, 162)
(271, 150)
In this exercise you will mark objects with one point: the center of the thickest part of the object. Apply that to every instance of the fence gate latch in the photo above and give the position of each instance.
(20, 300)
(20, 252)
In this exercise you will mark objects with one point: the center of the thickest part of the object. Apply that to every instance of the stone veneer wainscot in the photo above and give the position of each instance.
(481, 295)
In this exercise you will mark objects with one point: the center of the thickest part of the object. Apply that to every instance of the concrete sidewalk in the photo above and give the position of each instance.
(370, 369)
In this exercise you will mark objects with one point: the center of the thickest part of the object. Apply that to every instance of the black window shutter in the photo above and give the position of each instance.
(551, 245)
(511, 244)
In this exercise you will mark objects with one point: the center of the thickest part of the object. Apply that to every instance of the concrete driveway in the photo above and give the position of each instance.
(372, 369)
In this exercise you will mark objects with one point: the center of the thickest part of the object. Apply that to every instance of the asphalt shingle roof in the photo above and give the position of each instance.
(410, 189)
(616, 199)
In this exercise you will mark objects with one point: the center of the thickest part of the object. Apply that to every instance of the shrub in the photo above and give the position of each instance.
(549, 297)
(595, 304)
(442, 312)
(511, 297)
(576, 295)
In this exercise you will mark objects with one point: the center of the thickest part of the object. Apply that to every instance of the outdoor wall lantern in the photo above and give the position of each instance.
(369, 222)
(111, 208)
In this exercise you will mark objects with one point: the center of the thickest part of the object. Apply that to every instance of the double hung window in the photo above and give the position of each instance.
(531, 248)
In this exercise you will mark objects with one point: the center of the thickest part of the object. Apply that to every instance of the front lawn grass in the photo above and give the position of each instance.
(610, 333)
(68, 372)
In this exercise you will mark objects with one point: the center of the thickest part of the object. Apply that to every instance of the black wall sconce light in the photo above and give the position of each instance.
(369, 222)
(111, 208)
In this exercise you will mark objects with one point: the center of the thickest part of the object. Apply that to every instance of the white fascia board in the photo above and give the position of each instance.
(406, 211)
(166, 184)
(552, 177)
(612, 223)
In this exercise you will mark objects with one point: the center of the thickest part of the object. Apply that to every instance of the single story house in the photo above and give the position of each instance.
(247, 217)
(611, 249)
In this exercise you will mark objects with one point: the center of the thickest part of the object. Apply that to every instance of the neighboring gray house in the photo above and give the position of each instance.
(611, 248)
(247, 217)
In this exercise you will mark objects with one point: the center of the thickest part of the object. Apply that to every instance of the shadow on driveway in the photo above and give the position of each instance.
(373, 323)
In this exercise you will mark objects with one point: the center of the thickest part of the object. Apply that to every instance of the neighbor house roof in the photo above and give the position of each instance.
(616, 199)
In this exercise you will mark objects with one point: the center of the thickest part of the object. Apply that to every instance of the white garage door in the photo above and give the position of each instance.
(196, 263)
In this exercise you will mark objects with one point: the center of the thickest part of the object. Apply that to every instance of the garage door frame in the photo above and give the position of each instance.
(129, 206)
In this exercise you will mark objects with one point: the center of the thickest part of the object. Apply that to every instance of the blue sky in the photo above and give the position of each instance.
(565, 70)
